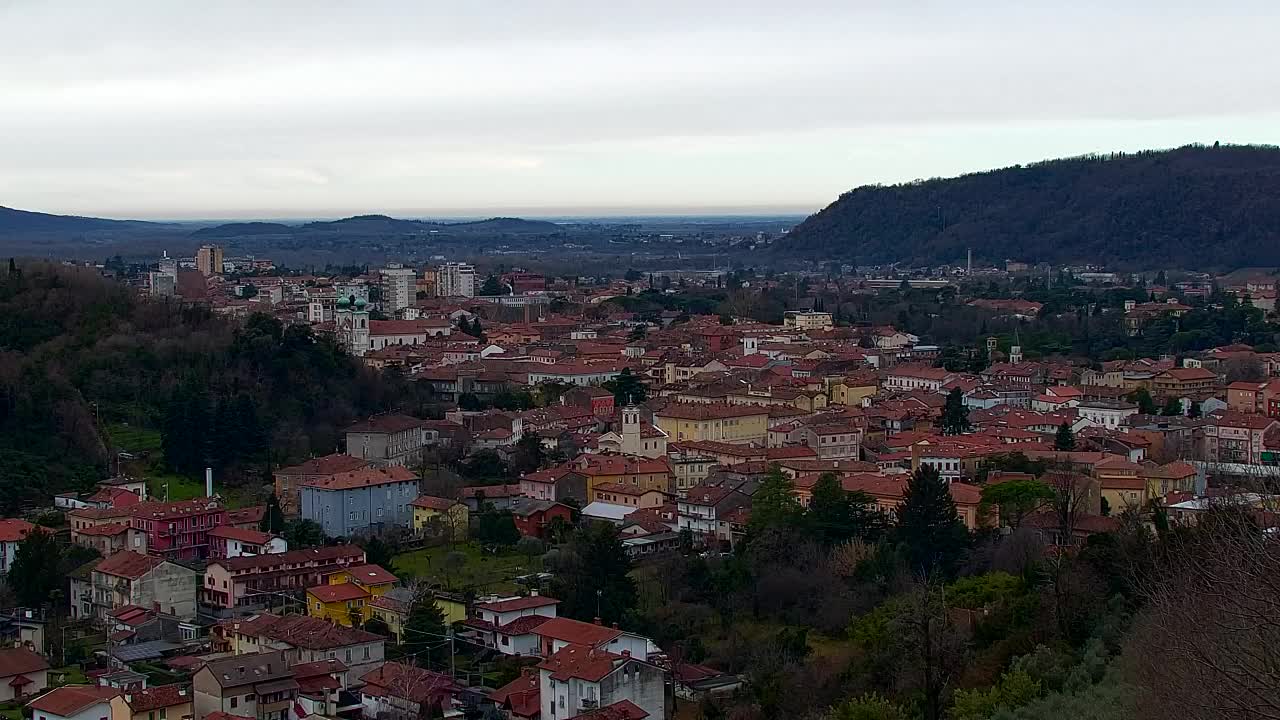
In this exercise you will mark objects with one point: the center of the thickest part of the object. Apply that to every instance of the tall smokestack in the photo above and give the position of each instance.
(208, 482)
(969, 270)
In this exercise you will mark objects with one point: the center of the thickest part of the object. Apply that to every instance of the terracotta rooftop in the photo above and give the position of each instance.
(363, 477)
(17, 660)
(341, 592)
(326, 465)
(253, 537)
(128, 564)
(385, 424)
(71, 699)
(160, 696)
(579, 662)
(13, 530)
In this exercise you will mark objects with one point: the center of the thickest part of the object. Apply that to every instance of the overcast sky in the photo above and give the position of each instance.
(209, 109)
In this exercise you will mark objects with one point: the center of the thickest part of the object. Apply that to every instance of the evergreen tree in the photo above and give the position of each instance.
(1194, 411)
(627, 388)
(477, 330)
(1172, 407)
(1142, 397)
(273, 519)
(1065, 439)
(596, 575)
(34, 574)
(376, 552)
(425, 627)
(929, 526)
(955, 415)
(774, 504)
(836, 516)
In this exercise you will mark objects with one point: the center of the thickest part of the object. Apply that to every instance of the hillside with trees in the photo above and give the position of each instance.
(1194, 207)
(79, 353)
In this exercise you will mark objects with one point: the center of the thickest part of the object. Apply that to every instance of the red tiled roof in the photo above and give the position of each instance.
(523, 625)
(364, 477)
(128, 564)
(104, 530)
(394, 679)
(577, 632)
(71, 699)
(370, 574)
(385, 424)
(520, 603)
(579, 662)
(708, 411)
(621, 710)
(522, 697)
(14, 661)
(326, 465)
(253, 537)
(305, 632)
(342, 592)
(431, 502)
(160, 696)
(323, 555)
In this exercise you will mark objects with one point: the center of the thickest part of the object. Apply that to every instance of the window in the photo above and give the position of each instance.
(366, 649)
(163, 714)
(235, 701)
(348, 654)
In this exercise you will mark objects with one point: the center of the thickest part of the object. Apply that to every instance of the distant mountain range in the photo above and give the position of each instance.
(1193, 207)
(25, 221)
(381, 225)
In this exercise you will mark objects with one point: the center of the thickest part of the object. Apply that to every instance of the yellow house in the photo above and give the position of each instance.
(739, 424)
(439, 516)
(393, 609)
(851, 390)
(345, 599)
(630, 470)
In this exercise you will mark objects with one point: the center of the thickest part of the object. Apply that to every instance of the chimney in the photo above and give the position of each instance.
(597, 621)
(533, 592)
(208, 482)
(626, 653)
(615, 626)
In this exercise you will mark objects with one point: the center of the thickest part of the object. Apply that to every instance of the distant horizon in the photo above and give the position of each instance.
(567, 214)
(218, 111)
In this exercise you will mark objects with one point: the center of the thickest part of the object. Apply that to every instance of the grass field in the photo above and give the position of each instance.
(133, 439)
(483, 571)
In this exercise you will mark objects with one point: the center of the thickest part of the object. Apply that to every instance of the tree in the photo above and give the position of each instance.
(376, 552)
(955, 415)
(497, 529)
(530, 547)
(1142, 397)
(34, 574)
(594, 574)
(870, 706)
(273, 517)
(529, 454)
(302, 534)
(627, 388)
(483, 465)
(1065, 439)
(1172, 407)
(929, 526)
(774, 504)
(425, 626)
(1016, 499)
(836, 516)
(493, 286)
(377, 627)
(1194, 411)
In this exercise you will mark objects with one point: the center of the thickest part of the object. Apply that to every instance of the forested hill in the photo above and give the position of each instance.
(79, 353)
(1193, 207)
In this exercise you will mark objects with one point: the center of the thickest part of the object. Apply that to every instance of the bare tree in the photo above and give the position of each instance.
(1207, 645)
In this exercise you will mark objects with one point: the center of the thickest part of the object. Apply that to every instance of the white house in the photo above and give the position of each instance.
(577, 679)
(22, 672)
(11, 532)
(1104, 413)
(509, 625)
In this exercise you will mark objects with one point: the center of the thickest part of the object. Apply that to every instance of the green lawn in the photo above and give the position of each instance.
(133, 439)
(483, 571)
(71, 675)
(10, 711)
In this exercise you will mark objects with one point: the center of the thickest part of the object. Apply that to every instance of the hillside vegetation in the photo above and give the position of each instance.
(1193, 207)
(79, 354)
